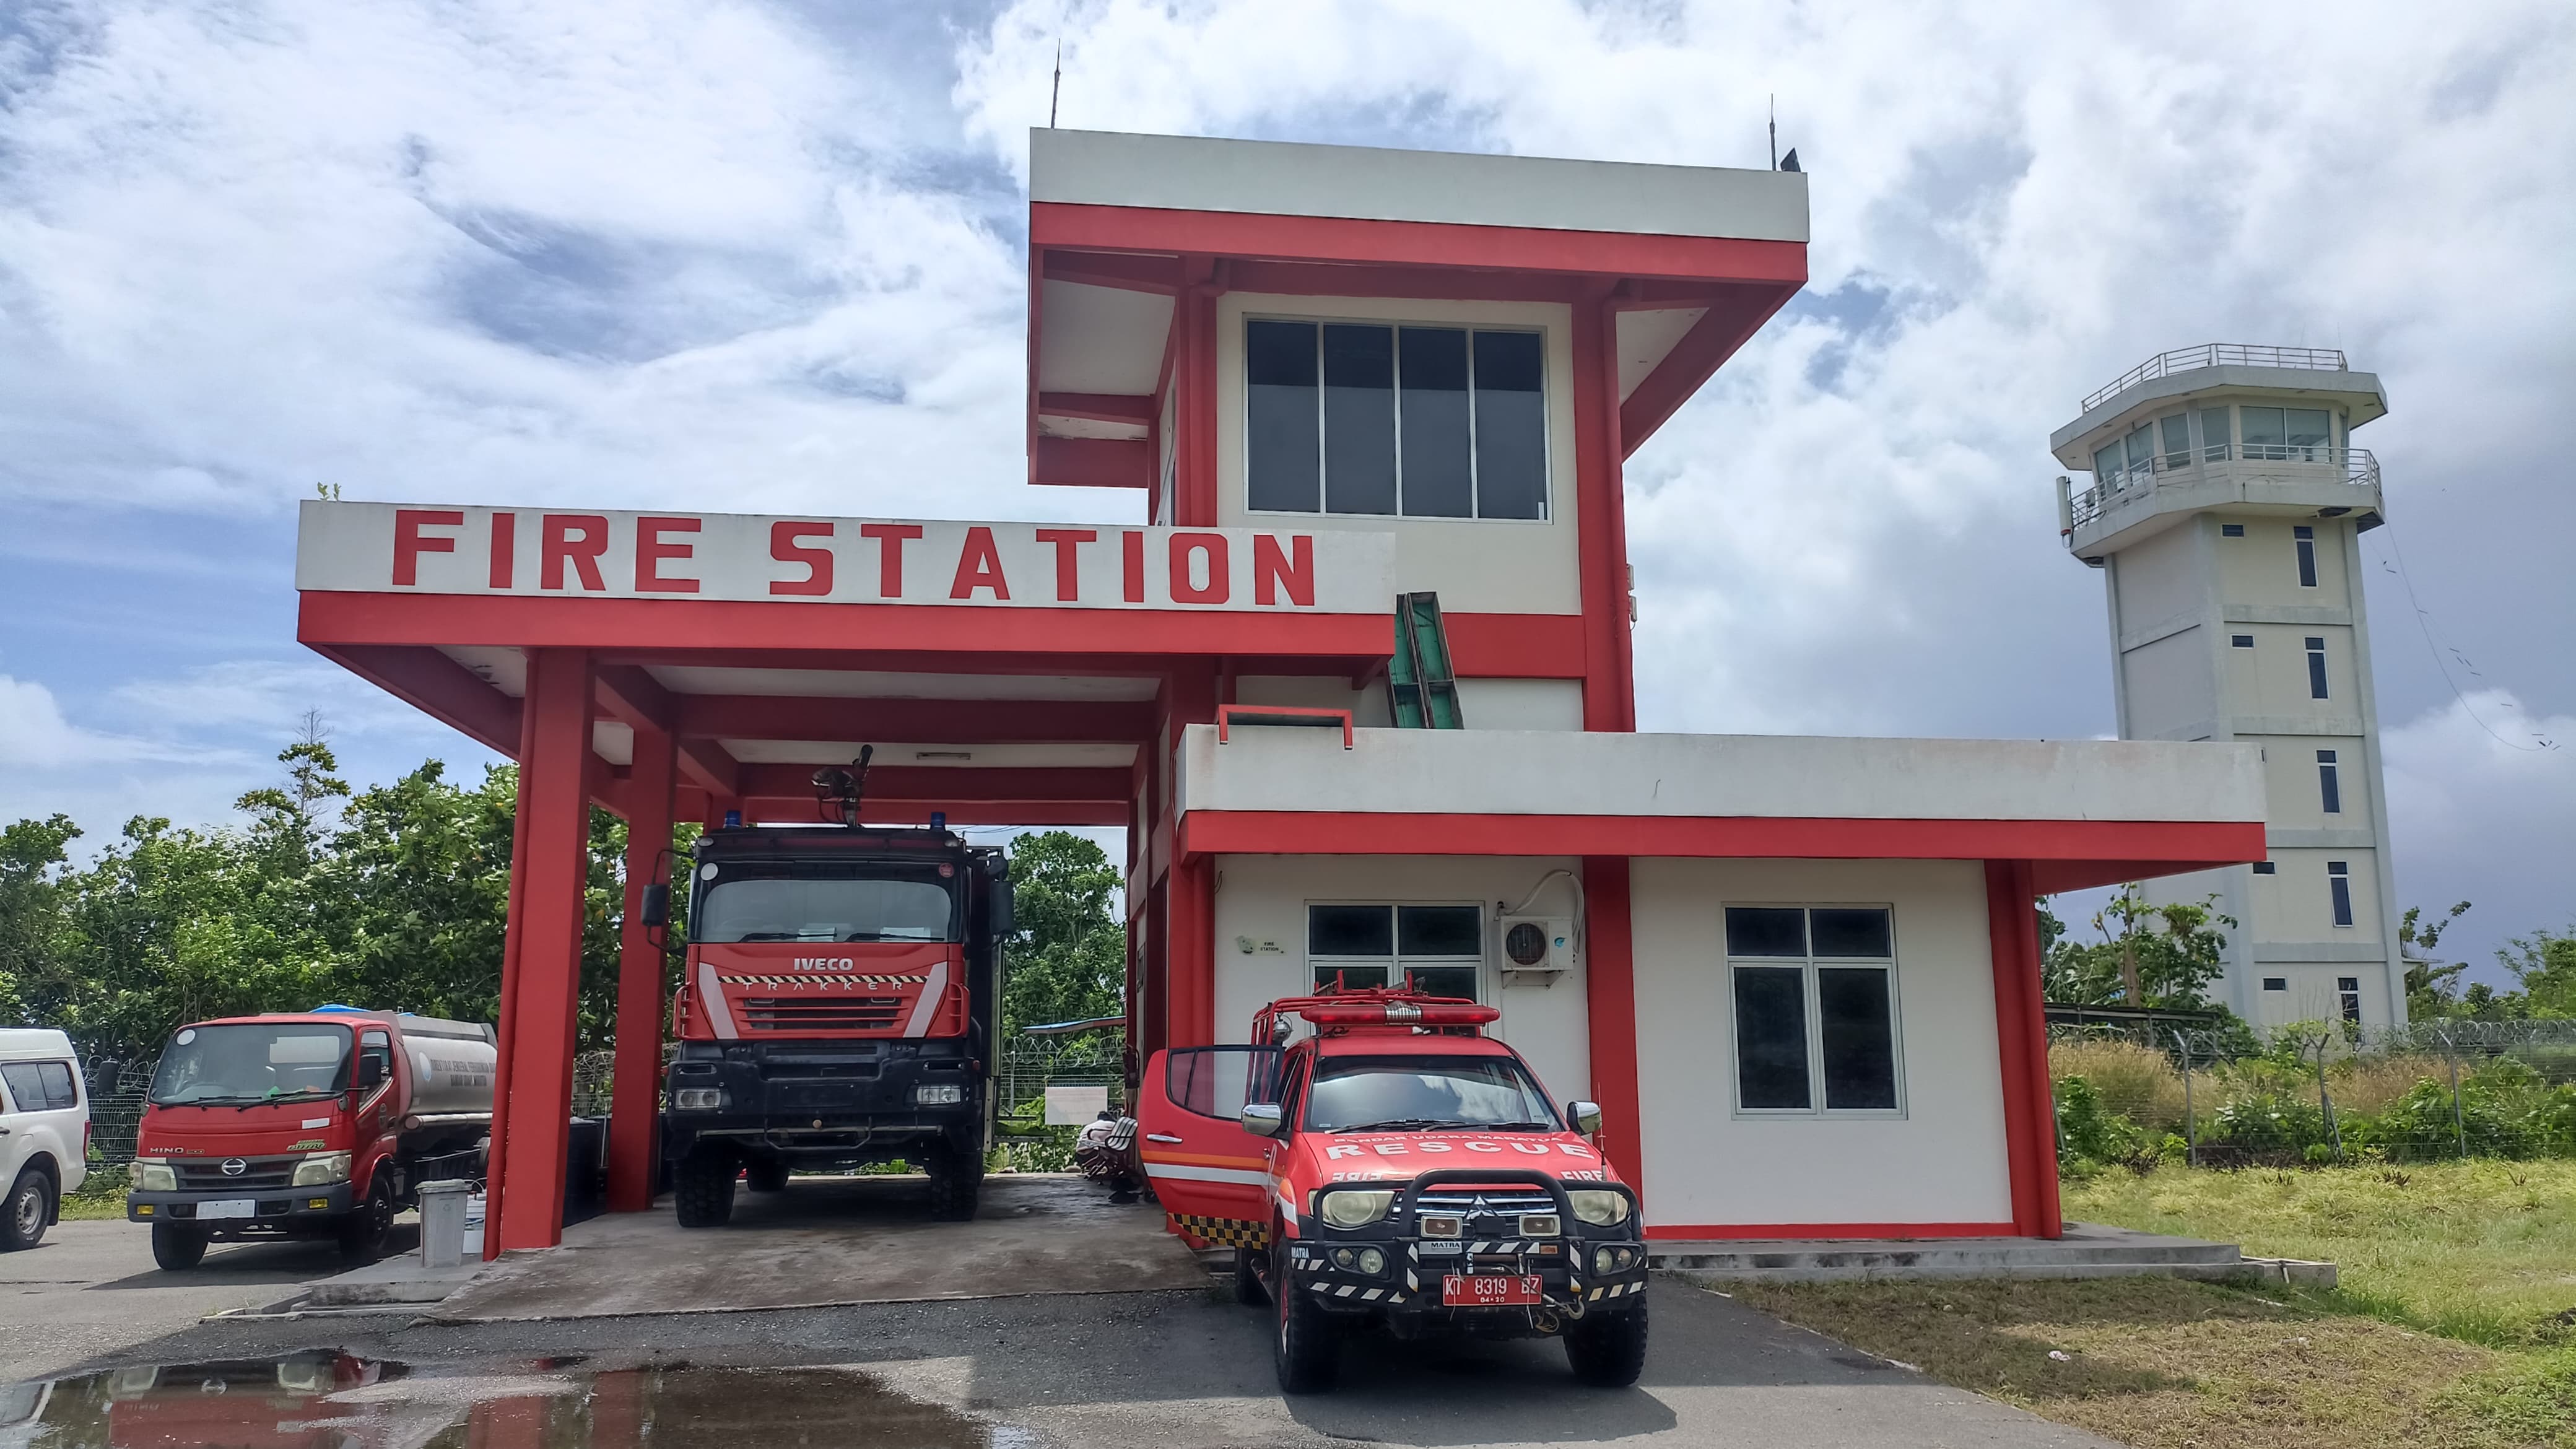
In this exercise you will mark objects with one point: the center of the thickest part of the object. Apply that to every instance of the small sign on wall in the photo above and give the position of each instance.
(1073, 1106)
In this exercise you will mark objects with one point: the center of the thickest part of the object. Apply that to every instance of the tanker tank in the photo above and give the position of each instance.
(452, 1066)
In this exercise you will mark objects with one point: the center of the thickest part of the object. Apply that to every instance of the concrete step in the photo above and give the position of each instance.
(2086, 1250)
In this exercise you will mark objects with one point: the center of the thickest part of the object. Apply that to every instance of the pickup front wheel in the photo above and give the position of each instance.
(702, 1187)
(1608, 1350)
(24, 1212)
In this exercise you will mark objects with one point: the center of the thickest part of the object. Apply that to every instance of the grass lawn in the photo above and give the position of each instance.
(84, 1208)
(2455, 1327)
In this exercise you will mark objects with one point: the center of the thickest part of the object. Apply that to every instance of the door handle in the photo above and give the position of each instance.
(1150, 1136)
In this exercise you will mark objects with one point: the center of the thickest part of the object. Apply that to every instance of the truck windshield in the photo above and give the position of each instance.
(252, 1061)
(840, 901)
(1353, 1094)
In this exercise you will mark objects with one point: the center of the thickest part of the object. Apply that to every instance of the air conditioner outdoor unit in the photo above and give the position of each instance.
(1536, 949)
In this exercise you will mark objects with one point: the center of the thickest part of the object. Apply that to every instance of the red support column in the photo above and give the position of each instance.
(2021, 1040)
(507, 1014)
(1190, 963)
(641, 969)
(1601, 545)
(1610, 1004)
(537, 1013)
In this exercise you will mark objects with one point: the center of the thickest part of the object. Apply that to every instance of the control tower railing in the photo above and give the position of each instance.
(2217, 354)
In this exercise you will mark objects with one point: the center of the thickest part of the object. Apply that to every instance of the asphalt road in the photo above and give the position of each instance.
(91, 1290)
(1162, 1368)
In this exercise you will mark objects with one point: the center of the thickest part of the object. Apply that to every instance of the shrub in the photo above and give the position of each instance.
(2138, 1082)
(2092, 1130)
(2271, 1121)
(2375, 1084)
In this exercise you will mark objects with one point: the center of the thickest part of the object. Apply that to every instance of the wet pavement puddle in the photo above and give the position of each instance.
(325, 1400)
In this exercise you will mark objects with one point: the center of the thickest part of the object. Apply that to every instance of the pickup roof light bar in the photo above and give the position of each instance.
(1371, 1006)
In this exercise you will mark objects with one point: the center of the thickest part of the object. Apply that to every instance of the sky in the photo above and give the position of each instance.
(770, 256)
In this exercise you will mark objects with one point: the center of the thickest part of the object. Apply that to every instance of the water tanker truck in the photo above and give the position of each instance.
(318, 1124)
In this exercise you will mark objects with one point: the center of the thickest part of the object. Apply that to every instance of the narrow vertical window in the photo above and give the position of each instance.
(1511, 426)
(2306, 539)
(2215, 441)
(2339, 887)
(2348, 990)
(1432, 373)
(2316, 668)
(1359, 419)
(2307, 435)
(2266, 433)
(1771, 1038)
(2327, 787)
(2175, 433)
(1282, 419)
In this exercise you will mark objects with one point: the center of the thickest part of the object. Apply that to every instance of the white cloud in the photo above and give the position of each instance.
(2480, 812)
(35, 735)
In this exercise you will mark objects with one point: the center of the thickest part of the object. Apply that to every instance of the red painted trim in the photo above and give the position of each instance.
(1840, 1232)
(1414, 243)
(1124, 271)
(514, 921)
(1610, 1006)
(882, 810)
(1729, 323)
(789, 631)
(1512, 646)
(2021, 1037)
(1444, 284)
(1099, 407)
(557, 809)
(1195, 417)
(640, 968)
(1599, 551)
(2173, 846)
(933, 721)
(1091, 463)
(437, 686)
(964, 782)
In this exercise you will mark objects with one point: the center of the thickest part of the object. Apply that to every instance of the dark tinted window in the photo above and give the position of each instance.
(1511, 426)
(1359, 419)
(1766, 931)
(40, 1086)
(1350, 931)
(1281, 417)
(761, 901)
(1771, 1037)
(1439, 931)
(1852, 1012)
(1437, 483)
(1845, 931)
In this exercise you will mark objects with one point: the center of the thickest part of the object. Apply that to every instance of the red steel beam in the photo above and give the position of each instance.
(437, 686)
(919, 721)
(1128, 272)
(804, 810)
(1092, 463)
(1098, 407)
(1072, 784)
(1726, 326)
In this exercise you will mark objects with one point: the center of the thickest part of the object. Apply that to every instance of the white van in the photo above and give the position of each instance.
(44, 1132)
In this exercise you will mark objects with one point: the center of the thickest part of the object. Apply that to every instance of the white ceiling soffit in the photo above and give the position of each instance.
(873, 684)
(1101, 339)
(967, 757)
(504, 669)
(613, 741)
(1051, 426)
(1645, 338)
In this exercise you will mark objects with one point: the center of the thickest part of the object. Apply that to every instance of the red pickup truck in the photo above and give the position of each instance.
(1398, 1169)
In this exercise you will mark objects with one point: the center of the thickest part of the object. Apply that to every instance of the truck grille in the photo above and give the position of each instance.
(257, 1174)
(1487, 1214)
(821, 1013)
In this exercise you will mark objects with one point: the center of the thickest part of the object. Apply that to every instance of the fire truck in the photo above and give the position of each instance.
(1396, 1168)
(836, 1008)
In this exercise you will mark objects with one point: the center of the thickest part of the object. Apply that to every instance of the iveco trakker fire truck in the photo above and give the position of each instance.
(1397, 1168)
(836, 1008)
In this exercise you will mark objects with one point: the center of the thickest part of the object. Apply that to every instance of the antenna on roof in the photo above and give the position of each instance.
(1775, 130)
(1057, 89)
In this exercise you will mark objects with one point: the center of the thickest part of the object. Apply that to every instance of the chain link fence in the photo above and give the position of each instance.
(1031, 1064)
(2322, 1092)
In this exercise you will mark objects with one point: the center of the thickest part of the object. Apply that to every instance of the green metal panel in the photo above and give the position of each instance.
(1419, 683)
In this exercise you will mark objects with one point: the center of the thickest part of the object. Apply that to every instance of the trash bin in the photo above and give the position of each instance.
(442, 1223)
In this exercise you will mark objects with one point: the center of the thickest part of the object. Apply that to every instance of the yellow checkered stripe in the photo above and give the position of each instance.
(1224, 1232)
(804, 978)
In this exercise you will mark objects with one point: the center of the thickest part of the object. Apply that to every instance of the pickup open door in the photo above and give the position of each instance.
(1212, 1176)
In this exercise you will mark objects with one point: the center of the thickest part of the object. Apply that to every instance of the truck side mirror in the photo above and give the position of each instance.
(371, 1071)
(998, 905)
(657, 905)
(1586, 1116)
(1261, 1119)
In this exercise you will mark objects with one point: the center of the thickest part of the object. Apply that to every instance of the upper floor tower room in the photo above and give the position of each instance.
(1459, 350)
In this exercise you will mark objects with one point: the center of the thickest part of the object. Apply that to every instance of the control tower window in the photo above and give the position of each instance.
(1376, 418)
(2287, 435)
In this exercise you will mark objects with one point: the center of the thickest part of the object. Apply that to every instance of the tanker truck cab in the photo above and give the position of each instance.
(316, 1124)
(836, 1009)
(1397, 1169)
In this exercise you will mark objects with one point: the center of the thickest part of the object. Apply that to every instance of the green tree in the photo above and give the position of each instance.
(2432, 989)
(2544, 965)
(32, 852)
(1067, 958)
(2159, 956)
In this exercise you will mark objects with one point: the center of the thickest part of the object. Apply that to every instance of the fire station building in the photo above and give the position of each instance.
(1353, 674)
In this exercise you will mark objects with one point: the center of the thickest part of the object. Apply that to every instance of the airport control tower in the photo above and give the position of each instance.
(2225, 512)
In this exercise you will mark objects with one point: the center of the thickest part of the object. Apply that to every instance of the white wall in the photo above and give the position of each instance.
(1943, 1162)
(1261, 900)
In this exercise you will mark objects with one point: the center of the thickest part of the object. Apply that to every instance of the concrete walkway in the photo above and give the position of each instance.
(834, 1241)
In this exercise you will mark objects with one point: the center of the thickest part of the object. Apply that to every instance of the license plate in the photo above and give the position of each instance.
(1489, 1290)
(231, 1207)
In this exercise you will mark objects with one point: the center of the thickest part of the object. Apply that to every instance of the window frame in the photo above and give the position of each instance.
(1808, 965)
(2339, 895)
(1395, 960)
(2303, 540)
(2315, 649)
(2348, 998)
(2329, 782)
(1396, 325)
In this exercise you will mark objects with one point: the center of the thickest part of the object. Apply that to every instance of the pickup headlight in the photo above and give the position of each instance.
(1356, 1209)
(151, 1174)
(697, 1099)
(321, 1169)
(1599, 1207)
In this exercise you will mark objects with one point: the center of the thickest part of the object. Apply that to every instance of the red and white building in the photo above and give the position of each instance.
(1800, 974)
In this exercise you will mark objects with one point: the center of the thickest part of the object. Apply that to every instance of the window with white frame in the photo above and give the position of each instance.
(1440, 948)
(1814, 989)
(1395, 419)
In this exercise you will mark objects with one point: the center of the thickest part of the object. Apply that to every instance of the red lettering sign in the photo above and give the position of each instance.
(650, 551)
(785, 546)
(979, 566)
(410, 544)
(1068, 564)
(576, 538)
(1131, 565)
(890, 538)
(505, 546)
(1295, 569)
(1210, 547)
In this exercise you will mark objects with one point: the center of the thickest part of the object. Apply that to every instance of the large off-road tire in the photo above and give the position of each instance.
(1247, 1280)
(956, 1183)
(1306, 1348)
(1608, 1350)
(24, 1213)
(178, 1247)
(362, 1237)
(702, 1187)
(767, 1174)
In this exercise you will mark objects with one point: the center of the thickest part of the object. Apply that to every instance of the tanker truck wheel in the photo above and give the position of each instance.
(956, 1179)
(178, 1248)
(362, 1237)
(702, 1186)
